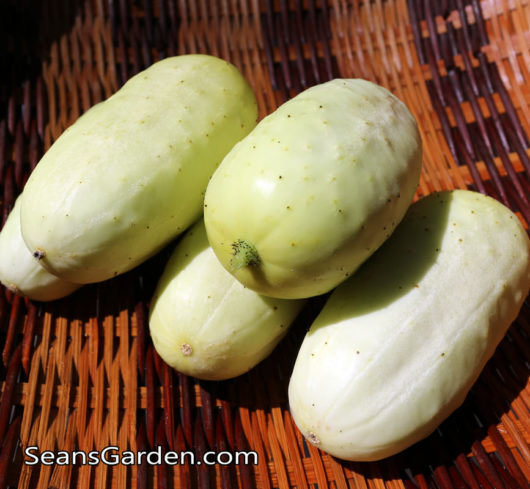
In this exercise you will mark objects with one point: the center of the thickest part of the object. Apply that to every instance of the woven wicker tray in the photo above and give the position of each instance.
(81, 373)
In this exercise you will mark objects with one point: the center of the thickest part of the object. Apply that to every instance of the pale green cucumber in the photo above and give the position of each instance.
(314, 189)
(131, 173)
(204, 323)
(20, 271)
(398, 346)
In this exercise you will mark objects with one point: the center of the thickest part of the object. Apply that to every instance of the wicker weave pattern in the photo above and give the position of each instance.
(81, 373)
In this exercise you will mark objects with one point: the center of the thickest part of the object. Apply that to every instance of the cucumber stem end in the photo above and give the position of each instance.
(245, 255)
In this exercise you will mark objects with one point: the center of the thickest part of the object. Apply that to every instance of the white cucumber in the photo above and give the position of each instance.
(204, 323)
(20, 271)
(131, 173)
(398, 346)
(314, 189)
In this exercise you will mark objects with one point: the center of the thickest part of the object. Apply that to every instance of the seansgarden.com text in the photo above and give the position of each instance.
(112, 455)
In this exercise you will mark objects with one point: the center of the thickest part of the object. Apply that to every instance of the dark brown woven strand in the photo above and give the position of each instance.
(452, 84)
(82, 373)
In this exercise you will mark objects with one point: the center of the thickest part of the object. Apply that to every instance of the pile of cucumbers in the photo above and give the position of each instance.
(317, 196)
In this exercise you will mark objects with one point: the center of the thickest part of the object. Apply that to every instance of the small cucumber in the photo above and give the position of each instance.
(204, 323)
(131, 173)
(314, 189)
(398, 346)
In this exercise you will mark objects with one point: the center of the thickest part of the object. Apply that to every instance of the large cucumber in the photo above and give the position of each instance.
(131, 173)
(314, 189)
(204, 323)
(20, 271)
(398, 346)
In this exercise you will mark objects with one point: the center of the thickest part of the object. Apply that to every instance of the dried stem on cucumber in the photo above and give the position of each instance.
(245, 255)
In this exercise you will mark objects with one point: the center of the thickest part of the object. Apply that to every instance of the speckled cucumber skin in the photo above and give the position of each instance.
(315, 188)
(20, 271)
(204, 323)
(131, 173)
(398, 346)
